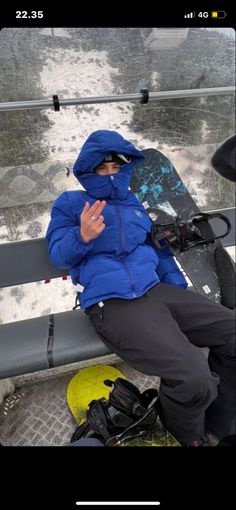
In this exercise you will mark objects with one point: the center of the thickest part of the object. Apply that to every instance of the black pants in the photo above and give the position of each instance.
(159, 334)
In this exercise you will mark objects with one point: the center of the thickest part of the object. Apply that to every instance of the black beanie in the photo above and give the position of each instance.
(114, 157)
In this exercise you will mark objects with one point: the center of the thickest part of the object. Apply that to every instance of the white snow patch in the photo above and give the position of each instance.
(36, 299)
(155, 79)
(167, 207)
(55, 32)
(4, 234)
(71, 74)
(232, 252)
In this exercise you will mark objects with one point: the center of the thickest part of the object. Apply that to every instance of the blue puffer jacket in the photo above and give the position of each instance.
(122, 262)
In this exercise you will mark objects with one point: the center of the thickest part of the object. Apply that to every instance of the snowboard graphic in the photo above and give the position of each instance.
(88, 384)
(158, 186)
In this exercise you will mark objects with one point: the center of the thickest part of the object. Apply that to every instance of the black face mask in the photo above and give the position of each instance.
(114, 186)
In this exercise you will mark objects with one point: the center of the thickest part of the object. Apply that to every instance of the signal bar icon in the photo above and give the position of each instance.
(190, 15)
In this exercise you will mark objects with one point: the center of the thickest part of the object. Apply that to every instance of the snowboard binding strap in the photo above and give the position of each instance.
(184, 235)
(125, 415)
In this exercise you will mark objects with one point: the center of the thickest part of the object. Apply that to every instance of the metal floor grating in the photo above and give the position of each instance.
(37, 414)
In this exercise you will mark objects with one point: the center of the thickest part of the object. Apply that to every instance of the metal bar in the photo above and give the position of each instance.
(153, 96)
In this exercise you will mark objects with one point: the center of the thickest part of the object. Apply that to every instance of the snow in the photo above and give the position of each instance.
(36, 299)
(55, 32)
(81, 73)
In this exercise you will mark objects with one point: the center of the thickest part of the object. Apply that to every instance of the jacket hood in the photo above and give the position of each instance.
(97, 146)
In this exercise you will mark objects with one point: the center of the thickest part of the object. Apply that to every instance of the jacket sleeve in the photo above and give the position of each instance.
(66, 248)
(168, 270)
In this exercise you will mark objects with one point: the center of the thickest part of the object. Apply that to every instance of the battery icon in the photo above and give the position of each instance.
(218, 14)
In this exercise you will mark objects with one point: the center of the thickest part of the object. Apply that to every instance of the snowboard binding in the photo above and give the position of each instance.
(184, 235)
(127, 414)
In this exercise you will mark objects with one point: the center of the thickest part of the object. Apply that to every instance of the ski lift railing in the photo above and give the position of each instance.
(144, 96)
(57, 339)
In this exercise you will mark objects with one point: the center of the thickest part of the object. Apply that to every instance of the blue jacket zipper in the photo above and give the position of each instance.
(120, 215)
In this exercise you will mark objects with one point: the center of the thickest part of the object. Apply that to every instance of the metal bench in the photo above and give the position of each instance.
(57, 339)
(43, 342)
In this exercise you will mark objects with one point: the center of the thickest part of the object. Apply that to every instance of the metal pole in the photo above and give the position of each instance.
(153, 96)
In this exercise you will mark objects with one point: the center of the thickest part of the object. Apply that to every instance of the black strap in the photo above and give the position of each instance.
(225, 270)
(145, 96)
(97, 419)
(200, 217)
(50, 341)
(77, 302)
(56, 103)
(148, 396)
(138, 428)
(187, 234)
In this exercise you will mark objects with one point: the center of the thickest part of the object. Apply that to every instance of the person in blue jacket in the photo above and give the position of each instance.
(136, 297)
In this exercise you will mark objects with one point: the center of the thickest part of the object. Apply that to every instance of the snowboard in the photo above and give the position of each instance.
(88, 384)
(159, 187)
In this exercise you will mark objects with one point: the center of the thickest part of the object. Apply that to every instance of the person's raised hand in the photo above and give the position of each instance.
(91, 221)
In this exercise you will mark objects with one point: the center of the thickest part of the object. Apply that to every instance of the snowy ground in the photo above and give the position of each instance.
(84, 74)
